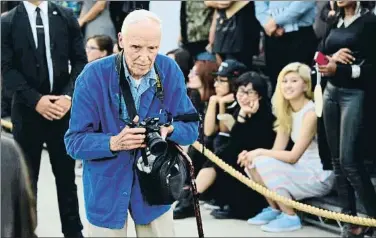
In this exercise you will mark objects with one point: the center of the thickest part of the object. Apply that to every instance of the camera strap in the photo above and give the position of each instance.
(128, 98)
(125, 88)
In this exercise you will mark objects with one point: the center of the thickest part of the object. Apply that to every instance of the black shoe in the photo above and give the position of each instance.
(223, 213)
(181, 211)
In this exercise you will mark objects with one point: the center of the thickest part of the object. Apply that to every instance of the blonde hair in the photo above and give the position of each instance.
(281, 106)
(139, 16)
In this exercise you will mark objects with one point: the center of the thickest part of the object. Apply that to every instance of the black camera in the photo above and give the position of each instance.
(154, 141)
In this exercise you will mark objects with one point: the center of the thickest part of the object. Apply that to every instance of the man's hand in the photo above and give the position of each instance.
(279, 32)
(343, 56)
(48, 109)
(64, 103)
(128, 139)
(270, 27)
(166, 130)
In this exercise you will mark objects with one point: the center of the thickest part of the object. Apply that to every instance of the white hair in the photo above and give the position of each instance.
(139, 16)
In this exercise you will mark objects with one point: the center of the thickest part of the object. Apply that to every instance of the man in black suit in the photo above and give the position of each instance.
(38, 39)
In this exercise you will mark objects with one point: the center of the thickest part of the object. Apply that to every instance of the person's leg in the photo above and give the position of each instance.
(28, 133)
(205, 179)
(63, 170)
(351, 156)
(257, 178)
(332, 121)
(162, 226)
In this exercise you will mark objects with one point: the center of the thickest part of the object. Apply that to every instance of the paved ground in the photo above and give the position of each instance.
(49, 222)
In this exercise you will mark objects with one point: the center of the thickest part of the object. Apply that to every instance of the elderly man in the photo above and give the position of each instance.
(99, 135)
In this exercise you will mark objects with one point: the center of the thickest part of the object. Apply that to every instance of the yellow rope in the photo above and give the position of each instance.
(286, 201)
(268, 193)
(6, 124)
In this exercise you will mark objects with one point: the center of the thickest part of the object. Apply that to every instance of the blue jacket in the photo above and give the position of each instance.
(111, 186)
(291, 15)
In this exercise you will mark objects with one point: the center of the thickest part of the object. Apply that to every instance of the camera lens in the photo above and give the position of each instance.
(156, 144)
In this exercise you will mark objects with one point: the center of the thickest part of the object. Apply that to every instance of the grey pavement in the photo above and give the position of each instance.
(49, 221)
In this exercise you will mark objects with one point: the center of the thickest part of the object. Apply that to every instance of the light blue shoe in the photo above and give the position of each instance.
(268, 214)
(283, 223)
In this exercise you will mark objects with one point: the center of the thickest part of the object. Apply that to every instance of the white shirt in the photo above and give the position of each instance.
(30, 8)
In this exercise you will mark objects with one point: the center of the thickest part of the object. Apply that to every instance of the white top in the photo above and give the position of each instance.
(31, 12)
(312, 151)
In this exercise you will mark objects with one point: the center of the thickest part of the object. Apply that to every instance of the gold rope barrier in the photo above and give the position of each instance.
(276, 197)
(6, 124)
(268, 193)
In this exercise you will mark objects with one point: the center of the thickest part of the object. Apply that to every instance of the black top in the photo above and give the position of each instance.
(360, 38)
(239, 33)
(256, 132)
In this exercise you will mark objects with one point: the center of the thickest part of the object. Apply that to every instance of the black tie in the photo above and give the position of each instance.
(43, 67)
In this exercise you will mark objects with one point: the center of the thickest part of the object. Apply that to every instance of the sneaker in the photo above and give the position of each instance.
(267, 215)
(283, 223)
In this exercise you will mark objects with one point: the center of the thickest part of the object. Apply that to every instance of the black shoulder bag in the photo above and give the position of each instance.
(162, 180)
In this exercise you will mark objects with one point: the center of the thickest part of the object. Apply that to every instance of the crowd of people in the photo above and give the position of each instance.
(262, 122)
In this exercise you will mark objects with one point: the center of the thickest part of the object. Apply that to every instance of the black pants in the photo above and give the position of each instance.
(344, 125)
(31, 131)
(297, 46)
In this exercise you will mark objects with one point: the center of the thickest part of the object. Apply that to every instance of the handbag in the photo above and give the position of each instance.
(163, 176)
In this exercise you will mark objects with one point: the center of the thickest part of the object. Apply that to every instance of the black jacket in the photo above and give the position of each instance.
(18, 54)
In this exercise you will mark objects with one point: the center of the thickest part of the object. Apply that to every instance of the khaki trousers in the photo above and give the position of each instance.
(163, 226)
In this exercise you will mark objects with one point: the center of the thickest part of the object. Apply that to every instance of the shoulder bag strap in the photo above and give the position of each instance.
(125, 88)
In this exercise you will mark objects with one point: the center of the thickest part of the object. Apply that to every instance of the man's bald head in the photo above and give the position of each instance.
(140, 38)
(140, 17)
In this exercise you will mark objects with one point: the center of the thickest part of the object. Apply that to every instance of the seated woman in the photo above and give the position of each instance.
(253, 129)
(253, 117)
(298, 173)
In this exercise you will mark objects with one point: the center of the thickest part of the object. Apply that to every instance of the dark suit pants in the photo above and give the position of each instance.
(31, 130)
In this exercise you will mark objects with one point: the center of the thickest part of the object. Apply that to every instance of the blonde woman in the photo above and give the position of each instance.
(298, 173)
